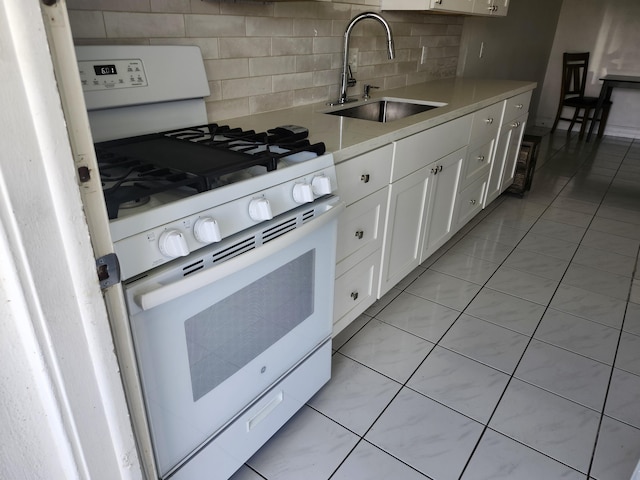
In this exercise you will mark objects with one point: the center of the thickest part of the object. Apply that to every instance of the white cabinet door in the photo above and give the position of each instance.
(497, 8)
(439, 224)
(504, 161)
(404, 227)
(463, 6)
(516, 129)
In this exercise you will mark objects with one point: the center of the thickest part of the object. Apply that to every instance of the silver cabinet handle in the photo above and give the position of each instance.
(439, 2)
(434, 171)
(354, 295)
(365, 178)
(359, 234)
(489, 121)
(481, 158)
(440, 168)
(472, 202)
(519, 106)
(515, 124)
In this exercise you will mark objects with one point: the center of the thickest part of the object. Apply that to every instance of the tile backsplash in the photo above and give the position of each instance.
(265, 56)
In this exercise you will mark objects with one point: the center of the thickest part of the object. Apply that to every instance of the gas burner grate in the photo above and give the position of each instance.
(193, 158)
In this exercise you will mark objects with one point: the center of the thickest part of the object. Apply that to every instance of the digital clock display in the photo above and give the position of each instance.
(105, 69)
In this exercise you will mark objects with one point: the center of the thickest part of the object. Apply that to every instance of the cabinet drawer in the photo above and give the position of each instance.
(363, 175)
(516, 106)
(470, 202)
(478, 164)
(360, 229)
(486, 123)
(356, 290)
(414, 152)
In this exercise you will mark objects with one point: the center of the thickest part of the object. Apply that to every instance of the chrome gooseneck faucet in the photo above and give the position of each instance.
(346, 70)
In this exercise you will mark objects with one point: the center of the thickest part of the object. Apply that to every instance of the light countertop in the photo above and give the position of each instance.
(347, 137)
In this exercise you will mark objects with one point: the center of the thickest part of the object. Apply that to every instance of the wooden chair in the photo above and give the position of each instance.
(575, 67)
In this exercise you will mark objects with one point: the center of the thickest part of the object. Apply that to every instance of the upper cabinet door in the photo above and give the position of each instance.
(461, 6)
(496, 8)
(457, 6)
(470, 7)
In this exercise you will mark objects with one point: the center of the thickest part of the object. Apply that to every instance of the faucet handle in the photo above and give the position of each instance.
(367, 90)
(351, 81)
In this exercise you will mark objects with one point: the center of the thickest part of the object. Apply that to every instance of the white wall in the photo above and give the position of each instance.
(516, 47)
(610, 30)
(62, 409)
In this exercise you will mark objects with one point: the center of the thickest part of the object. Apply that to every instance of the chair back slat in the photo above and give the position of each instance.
(574, 74)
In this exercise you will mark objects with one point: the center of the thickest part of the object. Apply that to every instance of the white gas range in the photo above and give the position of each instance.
(226, 243)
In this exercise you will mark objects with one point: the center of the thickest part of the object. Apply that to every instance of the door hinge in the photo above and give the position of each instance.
(108, 270)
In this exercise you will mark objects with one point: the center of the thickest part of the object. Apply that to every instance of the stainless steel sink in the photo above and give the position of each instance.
(386, 109)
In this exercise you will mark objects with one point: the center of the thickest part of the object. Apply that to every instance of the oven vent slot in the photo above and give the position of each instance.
(278, 230)
(192, 268)
(306, 216)
(234, 250)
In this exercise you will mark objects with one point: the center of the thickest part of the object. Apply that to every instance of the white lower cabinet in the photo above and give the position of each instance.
(407, 199)
(439, 225)
(504, 161)
(364, 184)
(420, 217)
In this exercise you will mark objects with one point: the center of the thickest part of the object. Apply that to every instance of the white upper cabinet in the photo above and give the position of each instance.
(496, 8)
(469, 7)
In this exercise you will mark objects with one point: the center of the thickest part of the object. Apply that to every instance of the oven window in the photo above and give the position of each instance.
(228, 335)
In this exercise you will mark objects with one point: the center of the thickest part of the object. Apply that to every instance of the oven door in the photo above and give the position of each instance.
(210, 343)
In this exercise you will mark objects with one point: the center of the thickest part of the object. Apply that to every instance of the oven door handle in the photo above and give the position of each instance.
(165, 293)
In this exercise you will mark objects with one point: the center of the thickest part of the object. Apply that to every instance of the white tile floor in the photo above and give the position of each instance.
(513, 353)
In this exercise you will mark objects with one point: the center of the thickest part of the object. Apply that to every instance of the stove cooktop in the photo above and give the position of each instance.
(193, 160)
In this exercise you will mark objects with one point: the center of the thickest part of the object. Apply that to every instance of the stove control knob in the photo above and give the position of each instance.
(321, 185)
(303, 193)
(206, 230)
(259, 209)
(173, 244)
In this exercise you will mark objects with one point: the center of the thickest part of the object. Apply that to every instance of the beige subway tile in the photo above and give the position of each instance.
(86, 24)
(327, 44)
(225, 109)
(296, 9)
(120, 24)
(245, 87)
(325, 77)
(215, 87)
(429, 29)
(395, 81)
(111, 41)
(215, 26)
(271, 102)
(272, 65)
(292, 46)
(267, 26)
(292, 81)
(311, 27)
(256, 9)
(306, 96)
(171, 6)
(223, 69)
(245, 47)
(208, 46)
(113, 5)
(205, 6)
(311, 63)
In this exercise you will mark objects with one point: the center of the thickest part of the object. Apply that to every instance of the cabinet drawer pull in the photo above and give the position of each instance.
(440, 168)
(515, 124)
(365, 178)
(519, 106)
(472, 202)
(489, 121)
(434, 171)
(354, 295)
(481, 158)
(359, 234)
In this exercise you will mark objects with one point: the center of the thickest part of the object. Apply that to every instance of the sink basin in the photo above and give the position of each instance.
(386, 109)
